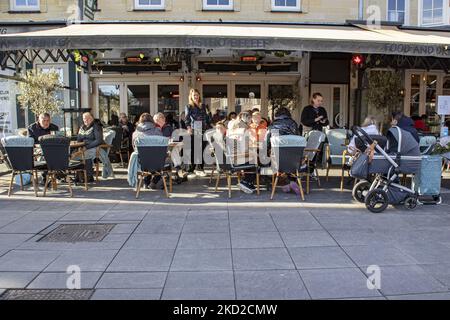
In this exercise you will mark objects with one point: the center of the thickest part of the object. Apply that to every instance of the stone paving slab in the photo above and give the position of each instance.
(247, 240)
(86, 260)
(132, 280)
(262, 259)
(201, 260)
(126, 294)
(320, 258)
(337, 283)
(60, 280)
(397, 280)
(27, 260)
(141, 260)
(16, 280)
(273, 284)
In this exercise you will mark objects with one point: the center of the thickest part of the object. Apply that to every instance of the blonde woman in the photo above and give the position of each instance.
(370, 126)
(198, 120)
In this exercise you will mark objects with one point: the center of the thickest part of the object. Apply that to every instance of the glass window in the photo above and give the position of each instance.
(248, 97)
(279, 96)
(169, 100)
(396, 10)
(286, 5)
(430, 98)
(432, 12)
(138, 101)
(415, 95)
(215, 97)
(108, 103)
(218, 4)
(149, 4)
(25, 5)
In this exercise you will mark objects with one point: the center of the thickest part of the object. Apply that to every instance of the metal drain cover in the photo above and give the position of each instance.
(51, 294)
(79, 233)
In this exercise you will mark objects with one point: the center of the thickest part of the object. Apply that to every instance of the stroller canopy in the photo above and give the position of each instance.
(402, 142)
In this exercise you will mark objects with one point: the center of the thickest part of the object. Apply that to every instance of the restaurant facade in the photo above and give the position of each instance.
(144, 56)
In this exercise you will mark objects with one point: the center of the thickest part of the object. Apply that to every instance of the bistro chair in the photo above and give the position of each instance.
(108, 137)
(119, 145)
(20, 158)
(286, 158)
(56, 151)
(152, 161)
(336, 152)
(228, 163)
(314, 146)
(426, 143)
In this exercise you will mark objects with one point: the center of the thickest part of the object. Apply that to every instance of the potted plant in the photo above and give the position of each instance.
(384, 91)
(38, 92)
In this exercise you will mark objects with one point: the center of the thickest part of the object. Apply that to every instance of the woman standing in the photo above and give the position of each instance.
(198, 120)
(314, 115)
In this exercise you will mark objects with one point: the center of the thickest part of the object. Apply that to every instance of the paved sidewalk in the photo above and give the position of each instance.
(202, 245)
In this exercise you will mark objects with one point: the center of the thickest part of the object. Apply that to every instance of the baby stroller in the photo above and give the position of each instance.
(402, 156)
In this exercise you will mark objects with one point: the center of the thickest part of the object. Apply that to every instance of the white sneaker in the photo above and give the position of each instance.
(246, 187)
(200, 173)
(191, 175)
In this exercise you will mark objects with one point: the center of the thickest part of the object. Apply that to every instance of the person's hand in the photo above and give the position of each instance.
(318, 118)
(189, 130)
(323, 121)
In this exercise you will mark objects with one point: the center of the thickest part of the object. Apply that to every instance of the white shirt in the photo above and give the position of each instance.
(370, 130)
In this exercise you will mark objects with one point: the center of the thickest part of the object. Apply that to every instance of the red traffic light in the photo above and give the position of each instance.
(357, 60)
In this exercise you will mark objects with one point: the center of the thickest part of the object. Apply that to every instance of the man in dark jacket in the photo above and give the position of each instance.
(91, 133)
(160, 121)
(42, 127)
(405, 123)
(284, 123)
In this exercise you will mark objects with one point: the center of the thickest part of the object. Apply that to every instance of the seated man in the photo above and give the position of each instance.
(42, 127)
(91, 133)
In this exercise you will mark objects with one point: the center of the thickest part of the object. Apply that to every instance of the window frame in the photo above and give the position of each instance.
(297, 8)
(445, 4)
(406, 12)
(15, 7)
(219, 7)
(149, 7)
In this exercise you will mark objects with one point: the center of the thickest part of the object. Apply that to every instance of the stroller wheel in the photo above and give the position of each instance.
(360, 191)
(410, 203)
(377, 201)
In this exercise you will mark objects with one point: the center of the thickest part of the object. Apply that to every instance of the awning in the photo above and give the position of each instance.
(323, 38)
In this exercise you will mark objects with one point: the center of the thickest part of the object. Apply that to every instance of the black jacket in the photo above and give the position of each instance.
(92, 135)
(194, 113)
(35, 130)
(285, 126)
(407, 124)
(309, 114)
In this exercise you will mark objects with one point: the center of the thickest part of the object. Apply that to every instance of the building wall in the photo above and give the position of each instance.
(245, 10)
(49, 10)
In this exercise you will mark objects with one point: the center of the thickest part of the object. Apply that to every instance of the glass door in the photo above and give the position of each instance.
(169, 100)
(108, 103)
(280, 95)
(414, 94)
(138, 101)
(248, 97)
(215, 97)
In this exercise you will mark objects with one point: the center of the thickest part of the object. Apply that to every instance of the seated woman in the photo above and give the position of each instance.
(91, 133)
(258, 127)
(145, 126)
(369, 125)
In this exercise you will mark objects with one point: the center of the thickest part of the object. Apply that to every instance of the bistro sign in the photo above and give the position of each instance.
(418, 50)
